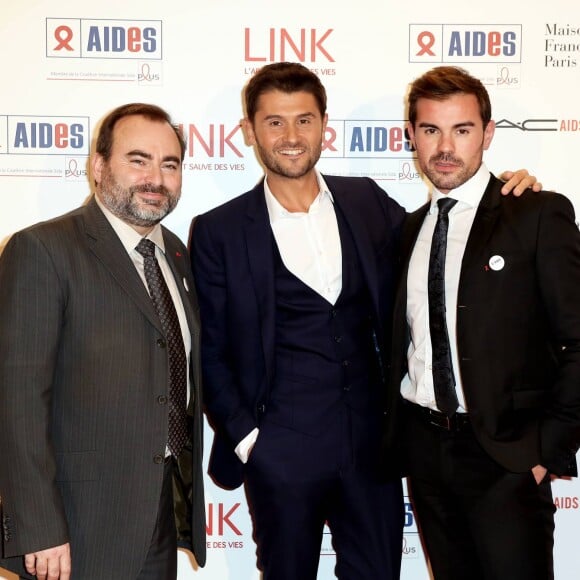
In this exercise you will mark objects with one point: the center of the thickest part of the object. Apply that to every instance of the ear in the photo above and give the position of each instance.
(488, 135)
(97, 167)
(248, 130)
(411, 133)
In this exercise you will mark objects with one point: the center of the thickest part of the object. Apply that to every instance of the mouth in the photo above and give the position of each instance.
(151, 197)
(291, 151)
(446, 165)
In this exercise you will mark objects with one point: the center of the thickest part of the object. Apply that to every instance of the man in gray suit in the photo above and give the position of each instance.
(93, 484)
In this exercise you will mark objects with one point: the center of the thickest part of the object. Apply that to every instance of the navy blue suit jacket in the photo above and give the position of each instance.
(233, 260)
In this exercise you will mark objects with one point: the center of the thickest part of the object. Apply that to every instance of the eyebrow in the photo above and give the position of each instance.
(426, 125)
(145, 155)
(278, 116)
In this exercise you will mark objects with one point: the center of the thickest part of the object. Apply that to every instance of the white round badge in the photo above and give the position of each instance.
(496, 263)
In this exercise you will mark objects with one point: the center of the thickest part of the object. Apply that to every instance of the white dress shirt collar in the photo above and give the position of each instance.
(469, 193)
(130, 237)
(275, 209)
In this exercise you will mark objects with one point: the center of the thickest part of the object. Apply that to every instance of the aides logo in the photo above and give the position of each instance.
(48, 135)
(462, 43)
(367, 140)
(111, 39)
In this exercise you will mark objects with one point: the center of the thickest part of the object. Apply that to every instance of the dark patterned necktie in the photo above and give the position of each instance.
(177, 436)
(443, 379)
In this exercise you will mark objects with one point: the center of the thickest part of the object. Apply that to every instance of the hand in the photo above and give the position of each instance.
(519, 181)
(50, 564)
(539, 472)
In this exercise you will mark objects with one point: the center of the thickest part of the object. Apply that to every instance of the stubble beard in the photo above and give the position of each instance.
(123, 203)
(294, 172)
(444, 181)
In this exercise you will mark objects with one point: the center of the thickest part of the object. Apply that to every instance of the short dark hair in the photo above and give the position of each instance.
(443, 82)
(287, 77)
(151, 112)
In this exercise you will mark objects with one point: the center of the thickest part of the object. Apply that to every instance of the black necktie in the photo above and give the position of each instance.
(443, 379)
(177, 436)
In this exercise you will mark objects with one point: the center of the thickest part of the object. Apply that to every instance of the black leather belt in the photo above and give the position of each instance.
(458, 422)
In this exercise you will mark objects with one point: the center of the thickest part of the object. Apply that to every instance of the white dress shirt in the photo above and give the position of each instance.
(130, 238)
(417, 385)
(309, 244)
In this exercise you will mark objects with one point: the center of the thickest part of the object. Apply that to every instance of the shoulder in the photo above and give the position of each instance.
(358, 185)
(58, 230)
(237, 206)
(360, 190)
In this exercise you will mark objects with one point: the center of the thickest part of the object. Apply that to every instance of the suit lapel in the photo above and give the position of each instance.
(106, 246)
(483, 223)
(355, 220)
(401, 335)
(183, 279)
(259, 240)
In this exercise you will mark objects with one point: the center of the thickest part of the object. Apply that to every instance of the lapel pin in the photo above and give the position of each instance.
(496, 263)
(185, 285)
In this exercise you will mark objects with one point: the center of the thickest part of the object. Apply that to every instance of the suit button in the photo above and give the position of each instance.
(338, 339)
(345, 363)
(347, 388)
(161, 343)
(158, 459)
(333, 313)
(162, 400)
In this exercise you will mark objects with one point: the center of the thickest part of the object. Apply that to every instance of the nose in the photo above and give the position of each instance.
(446, 143)
(154, 174)
(291, 132)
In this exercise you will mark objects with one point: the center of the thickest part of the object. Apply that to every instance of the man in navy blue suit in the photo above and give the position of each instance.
(295, 281)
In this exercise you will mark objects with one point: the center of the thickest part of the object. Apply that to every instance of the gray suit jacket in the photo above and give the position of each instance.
(83, 383)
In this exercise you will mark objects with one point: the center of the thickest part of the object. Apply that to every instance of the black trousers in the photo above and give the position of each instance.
(161, 561)
(477, 520)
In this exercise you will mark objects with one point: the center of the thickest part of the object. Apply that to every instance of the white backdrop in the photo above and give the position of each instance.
(66, 63)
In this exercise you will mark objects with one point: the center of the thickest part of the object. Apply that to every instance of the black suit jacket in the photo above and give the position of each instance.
(518, 329)
(233, 259)
(83, 372)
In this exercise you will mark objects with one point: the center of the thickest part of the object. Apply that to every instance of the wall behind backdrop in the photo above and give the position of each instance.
(67, 63)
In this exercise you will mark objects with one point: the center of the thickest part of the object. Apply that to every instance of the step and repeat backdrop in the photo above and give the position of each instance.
(67, 63)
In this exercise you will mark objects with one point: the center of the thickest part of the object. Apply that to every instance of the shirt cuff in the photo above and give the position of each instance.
(245, 445)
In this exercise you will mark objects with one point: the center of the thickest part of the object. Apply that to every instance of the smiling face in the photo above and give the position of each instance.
(287, 130)
(450, 139)
(140, 183)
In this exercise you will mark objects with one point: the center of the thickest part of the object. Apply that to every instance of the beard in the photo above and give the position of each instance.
(123, 202)
(290, 170)
(448, 181)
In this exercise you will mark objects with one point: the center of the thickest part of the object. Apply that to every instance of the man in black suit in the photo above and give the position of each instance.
(486, 347)
(96, 377)
(295, 281)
